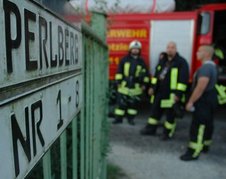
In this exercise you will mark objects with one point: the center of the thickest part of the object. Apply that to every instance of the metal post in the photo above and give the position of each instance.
(63, 154)
(98, 24)
(47, 165)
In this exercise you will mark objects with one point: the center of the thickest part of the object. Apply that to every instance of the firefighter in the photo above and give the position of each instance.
(221, 94)
(203, 102)
(219, 54)
(132, 77)
(168, 87)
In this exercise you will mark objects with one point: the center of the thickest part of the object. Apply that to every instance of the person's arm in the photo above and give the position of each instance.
(119, 73)
(183, 78)
(198, 91)
(145, 76)
(154, 79)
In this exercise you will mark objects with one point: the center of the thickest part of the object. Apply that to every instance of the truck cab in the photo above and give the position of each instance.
(211, 30)
(190, 29)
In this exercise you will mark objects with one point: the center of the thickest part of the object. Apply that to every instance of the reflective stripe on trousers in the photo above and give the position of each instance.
(152, 121)
(170, 127)
(119, 112)
(132, 112)
(198, 145)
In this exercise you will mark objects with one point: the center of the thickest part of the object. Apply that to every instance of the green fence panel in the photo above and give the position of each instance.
(63, 155)
(75, 149)
(47, 165)
(80, 151)
(96, 87)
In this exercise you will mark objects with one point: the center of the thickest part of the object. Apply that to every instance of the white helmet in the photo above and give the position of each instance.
(135, 44)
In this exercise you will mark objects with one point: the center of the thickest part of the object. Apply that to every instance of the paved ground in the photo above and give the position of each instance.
(147, 157)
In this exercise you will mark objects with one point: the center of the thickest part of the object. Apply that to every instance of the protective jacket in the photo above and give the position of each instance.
(221, 94)
(131, 75)
(170, 79)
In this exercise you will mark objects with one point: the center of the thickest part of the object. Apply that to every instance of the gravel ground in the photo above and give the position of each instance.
(147, 157)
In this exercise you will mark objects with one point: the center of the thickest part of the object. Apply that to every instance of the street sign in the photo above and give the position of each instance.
(40, 83)
(30, 125)
(35, 43)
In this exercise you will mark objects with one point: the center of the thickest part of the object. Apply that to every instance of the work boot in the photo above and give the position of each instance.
(205, 149)
(131, 122)
(188, 156)
(165, 137)
(117, 121)
(148, 130)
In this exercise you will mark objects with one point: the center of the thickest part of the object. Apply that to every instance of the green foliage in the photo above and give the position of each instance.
(114, 172)
(105, 129)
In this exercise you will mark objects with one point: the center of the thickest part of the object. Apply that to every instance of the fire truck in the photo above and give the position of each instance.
(206, 25)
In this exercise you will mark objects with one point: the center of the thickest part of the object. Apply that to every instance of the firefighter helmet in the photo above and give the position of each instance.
(135, 44)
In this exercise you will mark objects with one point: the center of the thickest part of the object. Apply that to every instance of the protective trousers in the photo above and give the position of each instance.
(202, 126)
(126, 107)
(156, 114)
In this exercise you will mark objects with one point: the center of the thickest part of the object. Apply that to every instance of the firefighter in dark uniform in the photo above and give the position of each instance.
(219, 54)
(132, 78)
(202, 102)
(168, 87)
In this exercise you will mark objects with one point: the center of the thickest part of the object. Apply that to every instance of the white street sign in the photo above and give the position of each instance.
(30, 125)
(40, 83)
(35, 43)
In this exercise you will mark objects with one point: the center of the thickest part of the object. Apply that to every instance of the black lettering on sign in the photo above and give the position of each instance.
(60, 46)
(29, 36)
(61, 121)
(77, 94)
(72, 46)
(53, 62)
(25, 141)
(67, 61)
(9, 8)
(18, 136)
(42, 42)
(76, 48)
(37, 106)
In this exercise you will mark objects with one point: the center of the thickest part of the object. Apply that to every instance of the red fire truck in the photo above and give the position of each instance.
(206, 25)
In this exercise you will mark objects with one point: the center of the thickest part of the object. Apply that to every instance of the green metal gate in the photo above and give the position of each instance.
(80, 151)
(95, 126)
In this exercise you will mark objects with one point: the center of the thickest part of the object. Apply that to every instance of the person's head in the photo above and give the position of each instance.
(162, 55)
(171, 50)
(135, 47)
(205, 52)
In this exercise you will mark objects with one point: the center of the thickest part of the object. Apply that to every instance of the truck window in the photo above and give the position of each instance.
(219, 40)
(219, 27)
(204, 23)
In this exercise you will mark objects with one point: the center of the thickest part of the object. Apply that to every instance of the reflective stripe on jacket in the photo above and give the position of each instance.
(221, 94)
(131, 75)
(174, 83)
